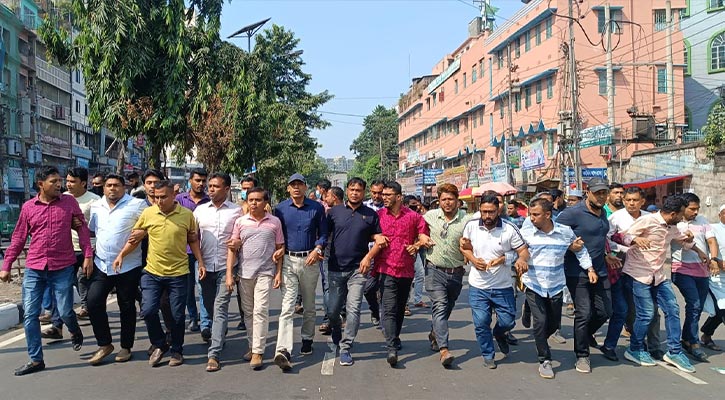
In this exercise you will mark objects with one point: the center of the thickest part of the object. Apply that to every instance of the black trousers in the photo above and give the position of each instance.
(371, 291)
(546, 319)
(712, 322)
(593, 307)
(393, 295)
(99, 286)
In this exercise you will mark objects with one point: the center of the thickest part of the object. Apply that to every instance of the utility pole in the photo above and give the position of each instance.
(669, 70)
(574, 98)
(382, 166)
(610, 70)
(511, 118)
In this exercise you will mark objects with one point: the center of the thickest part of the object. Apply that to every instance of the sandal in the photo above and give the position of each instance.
(212, 365)
(712, 345)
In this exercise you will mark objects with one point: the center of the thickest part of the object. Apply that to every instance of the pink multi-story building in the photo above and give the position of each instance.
(513, 82)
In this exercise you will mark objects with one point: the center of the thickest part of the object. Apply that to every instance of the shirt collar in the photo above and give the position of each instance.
(104, 203)
(499, 223)
(249, 217)
(442, 216)
(210, 204)
(204, 199)
(174, 211)
(37, 200)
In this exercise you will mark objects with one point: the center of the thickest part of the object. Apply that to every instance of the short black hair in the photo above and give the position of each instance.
(377, 182)
(633, 190)
(164, 183)
(44, 172)
(490, 199)
(258, 189)
(252, 179)
(556, 193)
(100, 175)
(154, 172)
(324, 184)
(78, 172)
(545, 204)
(337, 192)
(357, 181)
(132, 175)
(223, 176)
(615, 185)
(690, 198)
(116, 176)
(491, 193)
(674, 204)
(408, 198)
(198, 171)
(395, 186)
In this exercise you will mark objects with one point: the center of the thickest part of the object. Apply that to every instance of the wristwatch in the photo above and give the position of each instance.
(318, 250)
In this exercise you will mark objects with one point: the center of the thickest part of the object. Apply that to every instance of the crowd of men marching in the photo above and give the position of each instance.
(596, 253)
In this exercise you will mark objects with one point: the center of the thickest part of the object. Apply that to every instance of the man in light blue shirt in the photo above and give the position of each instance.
(112, 219)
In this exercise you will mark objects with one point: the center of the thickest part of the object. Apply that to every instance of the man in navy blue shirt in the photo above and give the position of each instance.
(305, 235)
(590, 289)
(352, 226)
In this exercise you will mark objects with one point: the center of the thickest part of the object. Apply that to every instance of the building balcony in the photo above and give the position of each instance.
(53, 75)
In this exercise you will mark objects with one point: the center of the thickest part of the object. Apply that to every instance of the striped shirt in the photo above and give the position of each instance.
(259, 239)
(546, 263)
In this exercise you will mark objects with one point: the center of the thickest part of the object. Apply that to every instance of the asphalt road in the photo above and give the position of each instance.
(418, 375)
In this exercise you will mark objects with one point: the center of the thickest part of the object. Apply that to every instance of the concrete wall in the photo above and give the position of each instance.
(708, 181)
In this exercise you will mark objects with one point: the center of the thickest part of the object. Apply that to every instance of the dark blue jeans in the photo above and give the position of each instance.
(152, 287)
(483, 303)
(443, 289)
(619, 314)
(646, 300)
(35, 282)
(694, 289)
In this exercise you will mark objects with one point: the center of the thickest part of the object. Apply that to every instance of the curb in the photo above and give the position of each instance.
(10, 315)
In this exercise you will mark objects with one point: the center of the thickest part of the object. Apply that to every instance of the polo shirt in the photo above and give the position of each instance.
(686, 261)
(491, 244)
(112, 227)
(402, 230)
(350, 231)
(215, 228)
(593, 230)
(167, 234)
(446, 235)
(545, 275)
(259, 239)
(304, 227)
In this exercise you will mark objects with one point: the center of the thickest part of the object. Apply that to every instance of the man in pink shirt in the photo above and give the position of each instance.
(48, 219)
(405, 231)
(691, 274)
(648, 240)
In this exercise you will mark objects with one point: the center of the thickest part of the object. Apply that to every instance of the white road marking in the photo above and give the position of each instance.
(685, 375)
(328, 363)
(21, 334)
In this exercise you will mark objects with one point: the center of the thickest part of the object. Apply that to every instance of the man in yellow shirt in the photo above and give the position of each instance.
(169, 227)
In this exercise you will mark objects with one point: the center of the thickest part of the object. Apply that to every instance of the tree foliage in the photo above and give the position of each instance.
(137, 57)
(715, 129)
(380, 132)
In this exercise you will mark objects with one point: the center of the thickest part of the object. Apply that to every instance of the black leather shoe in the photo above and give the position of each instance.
(206, 335)
(52, 333)
(511, 339)
(392, 357)
(609, 354)
(29, 368)
(503, 344)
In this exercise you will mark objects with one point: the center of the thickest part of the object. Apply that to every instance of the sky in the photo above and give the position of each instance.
(364, 52)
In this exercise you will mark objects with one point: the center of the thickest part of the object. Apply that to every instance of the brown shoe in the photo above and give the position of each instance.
(247, 356)
(100, 354)
(82, 314)
(421, 304)
(446, 357)
(45, 318)
(256, 362)
(123, 355)
(156, 356)
(176, 360)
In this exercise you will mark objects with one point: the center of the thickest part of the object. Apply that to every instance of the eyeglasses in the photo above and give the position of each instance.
(444, 232)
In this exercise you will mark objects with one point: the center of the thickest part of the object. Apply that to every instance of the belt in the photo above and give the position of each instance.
(299, 253)
(446, 270)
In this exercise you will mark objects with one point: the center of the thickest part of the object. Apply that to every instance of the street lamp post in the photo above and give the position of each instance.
(249, 31)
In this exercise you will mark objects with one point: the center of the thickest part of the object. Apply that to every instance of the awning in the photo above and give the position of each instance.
(661, 180)
(539, 76)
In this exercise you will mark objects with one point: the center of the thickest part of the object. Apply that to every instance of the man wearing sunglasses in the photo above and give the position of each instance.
(444, 266)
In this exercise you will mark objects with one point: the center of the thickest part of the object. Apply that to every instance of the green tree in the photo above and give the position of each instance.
(715, 129)
(275, 113)
(379, 135)
(136, 57)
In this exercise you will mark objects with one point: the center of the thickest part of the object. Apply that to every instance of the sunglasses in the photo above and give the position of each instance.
(444, 232)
